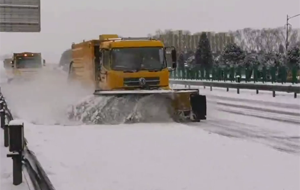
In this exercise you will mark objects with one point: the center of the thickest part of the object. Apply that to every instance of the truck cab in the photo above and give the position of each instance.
(114, 63)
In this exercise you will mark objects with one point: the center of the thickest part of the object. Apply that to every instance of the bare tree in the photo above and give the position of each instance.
(293, 38)
(267, 40)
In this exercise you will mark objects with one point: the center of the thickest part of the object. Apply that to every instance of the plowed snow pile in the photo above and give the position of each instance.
(48, 98)
(117, 110)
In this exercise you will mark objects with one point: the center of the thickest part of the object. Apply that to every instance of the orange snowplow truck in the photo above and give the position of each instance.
(117, 66)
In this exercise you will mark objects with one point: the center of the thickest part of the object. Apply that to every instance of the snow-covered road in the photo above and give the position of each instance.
(274, 122)
(158, 156)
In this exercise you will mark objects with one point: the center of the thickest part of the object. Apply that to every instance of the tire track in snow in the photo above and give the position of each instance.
(259, 102)
(281, 119)
(254, 120)
(244, 118)
(257, 108)
(233, 129)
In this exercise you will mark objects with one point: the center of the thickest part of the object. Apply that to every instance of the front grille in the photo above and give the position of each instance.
(150, 81)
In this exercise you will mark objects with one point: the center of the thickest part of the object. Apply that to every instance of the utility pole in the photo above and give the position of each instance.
(287, 33)
(287, 30)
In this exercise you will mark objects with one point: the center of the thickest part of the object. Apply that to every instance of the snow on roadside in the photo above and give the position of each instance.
(6, 182)
(265, 96)
(157, 156)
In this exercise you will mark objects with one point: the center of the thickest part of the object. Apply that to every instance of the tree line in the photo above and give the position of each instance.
(250, 47)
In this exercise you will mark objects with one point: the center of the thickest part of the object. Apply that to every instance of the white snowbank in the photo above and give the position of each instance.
(119, 110)
(158, 156)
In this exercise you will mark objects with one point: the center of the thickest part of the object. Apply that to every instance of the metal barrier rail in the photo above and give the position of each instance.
(238, 86)
(22, 156)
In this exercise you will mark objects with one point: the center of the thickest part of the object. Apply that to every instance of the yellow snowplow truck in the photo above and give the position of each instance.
(26, 64)
(117, 66)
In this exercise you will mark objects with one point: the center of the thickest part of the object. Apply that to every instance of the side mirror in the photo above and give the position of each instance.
(174, 58)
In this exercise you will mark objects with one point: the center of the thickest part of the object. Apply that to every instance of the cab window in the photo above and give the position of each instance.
(106, 58)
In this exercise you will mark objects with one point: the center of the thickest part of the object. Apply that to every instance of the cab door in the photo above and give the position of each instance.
(97, 66)
(104, 61)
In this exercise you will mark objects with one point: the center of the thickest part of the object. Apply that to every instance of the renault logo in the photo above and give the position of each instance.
(142, 81)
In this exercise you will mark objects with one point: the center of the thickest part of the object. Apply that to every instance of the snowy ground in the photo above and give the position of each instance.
(6, 170)
(158, 156)
(248, 142)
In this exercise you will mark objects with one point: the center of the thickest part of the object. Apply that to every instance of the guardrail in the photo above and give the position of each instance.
(24, 160)
(274, 74)
(238, 86)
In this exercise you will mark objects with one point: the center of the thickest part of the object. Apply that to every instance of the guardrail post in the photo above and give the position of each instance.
(2, 112)
(6, 136)
(2, 121)
(16, 146)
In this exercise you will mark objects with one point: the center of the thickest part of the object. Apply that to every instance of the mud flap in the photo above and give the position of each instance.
(198, 103)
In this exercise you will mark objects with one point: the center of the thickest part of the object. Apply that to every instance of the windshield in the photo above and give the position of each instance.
(138, 59)
(29, 62)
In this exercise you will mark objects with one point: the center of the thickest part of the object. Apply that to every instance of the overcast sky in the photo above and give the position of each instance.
(67, 21)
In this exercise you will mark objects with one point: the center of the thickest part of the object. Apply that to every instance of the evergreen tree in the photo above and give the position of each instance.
(203, 55)
(293, 56)
(270, 60)
(233, 55)
(250, 60)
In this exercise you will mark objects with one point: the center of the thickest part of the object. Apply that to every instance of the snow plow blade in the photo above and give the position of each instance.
(186, 105)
